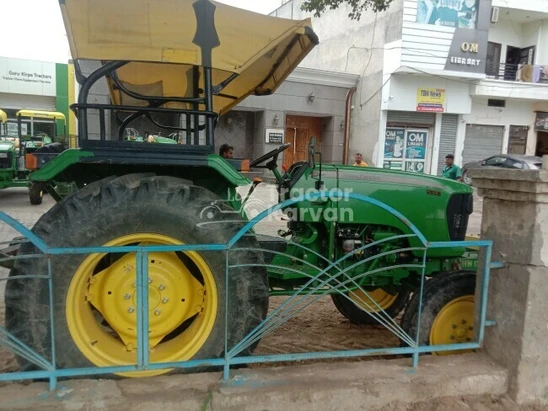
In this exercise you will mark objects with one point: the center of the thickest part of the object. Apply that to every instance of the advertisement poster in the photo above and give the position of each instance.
(431, 100)
(449, 13)
(394, 142)
(415, 144)
(414, 166)
(405, 149)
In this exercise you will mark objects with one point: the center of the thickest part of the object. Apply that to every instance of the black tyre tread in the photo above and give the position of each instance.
(35, 194)
(248, 304)
(357, 316)
(440, 288)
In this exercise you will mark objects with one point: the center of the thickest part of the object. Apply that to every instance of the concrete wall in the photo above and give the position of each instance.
(516, 113)
(510, 33)
(237, 128)
(292, 98)
(542, 52)
(402, 93)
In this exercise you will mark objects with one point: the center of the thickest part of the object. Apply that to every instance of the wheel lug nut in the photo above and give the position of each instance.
(454, 326)
(463, 322)
(157, 312)
(149, 280)
(130, 347)
(127, 296)
(468, 339)
(470, 328)
(162, 287)
(131, 310)
(452, 337)
(134, 285)
(89, 297)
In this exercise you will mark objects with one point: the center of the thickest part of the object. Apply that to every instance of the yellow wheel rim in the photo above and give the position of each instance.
(367, 300)
(101, 305)
(454, 324)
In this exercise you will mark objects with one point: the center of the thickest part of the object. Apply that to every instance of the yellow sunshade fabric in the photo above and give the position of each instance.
(3, 117)
(262, 50)
(54, 115)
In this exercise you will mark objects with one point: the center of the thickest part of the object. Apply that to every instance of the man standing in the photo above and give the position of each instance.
(359, 161)
(451, 170)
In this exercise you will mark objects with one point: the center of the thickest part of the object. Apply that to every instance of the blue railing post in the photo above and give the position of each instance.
(53, 378)
(142, 309)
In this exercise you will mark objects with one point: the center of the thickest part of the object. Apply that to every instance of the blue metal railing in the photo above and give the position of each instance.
(329, 278)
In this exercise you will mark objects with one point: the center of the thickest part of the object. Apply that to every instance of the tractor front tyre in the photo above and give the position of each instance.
(94, 296)
(447, 315)
(36, 194)
(365, 307)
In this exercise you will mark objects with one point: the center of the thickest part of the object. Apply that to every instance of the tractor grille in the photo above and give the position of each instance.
(5, 162)
(458, 211)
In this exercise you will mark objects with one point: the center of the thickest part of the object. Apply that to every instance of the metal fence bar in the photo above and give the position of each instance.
(142, 309)
(421, 295)
(53, 378)
(335, 277)
(484, 291)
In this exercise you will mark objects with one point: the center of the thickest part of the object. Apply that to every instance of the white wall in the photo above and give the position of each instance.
(509, 33)
(355, 47)
(402, 93)
(516, 113)
(542, 52)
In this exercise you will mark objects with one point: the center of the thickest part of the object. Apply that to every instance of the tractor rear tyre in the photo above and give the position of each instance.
(36, 194)
(359, 309)
(95, 295)
(448, 314)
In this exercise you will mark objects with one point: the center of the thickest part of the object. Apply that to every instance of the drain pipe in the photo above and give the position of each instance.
(347, 117)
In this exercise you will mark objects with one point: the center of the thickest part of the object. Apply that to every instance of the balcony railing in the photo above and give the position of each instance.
(528, 73)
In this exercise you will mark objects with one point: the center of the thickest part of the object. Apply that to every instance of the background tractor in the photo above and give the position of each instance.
(21, 155)
(135, 192)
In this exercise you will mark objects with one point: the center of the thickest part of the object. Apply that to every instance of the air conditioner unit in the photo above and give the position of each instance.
(495, 14)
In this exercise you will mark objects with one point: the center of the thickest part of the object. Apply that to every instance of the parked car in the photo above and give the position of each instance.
(512, 161)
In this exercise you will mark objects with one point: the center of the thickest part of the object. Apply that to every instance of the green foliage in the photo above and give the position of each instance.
(358, 6)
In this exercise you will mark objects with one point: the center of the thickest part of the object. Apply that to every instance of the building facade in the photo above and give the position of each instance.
(36, 85)
(468, 78)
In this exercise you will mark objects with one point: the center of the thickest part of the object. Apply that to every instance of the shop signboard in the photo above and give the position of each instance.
(541, 122)
(405, 149)
(275, 136)
(27, 77)
(431, 100)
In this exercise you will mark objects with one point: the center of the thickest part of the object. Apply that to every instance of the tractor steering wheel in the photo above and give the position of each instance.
(271, 165)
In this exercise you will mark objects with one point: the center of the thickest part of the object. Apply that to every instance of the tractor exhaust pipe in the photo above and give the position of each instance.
(347, 117)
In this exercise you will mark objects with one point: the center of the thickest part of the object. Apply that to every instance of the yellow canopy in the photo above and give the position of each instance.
(261, 50)
(3, 117)
(54, 115)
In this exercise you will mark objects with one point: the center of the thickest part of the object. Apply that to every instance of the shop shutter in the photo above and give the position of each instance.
(449, 124)
(410, 118)
(24, 101)
(482, 141)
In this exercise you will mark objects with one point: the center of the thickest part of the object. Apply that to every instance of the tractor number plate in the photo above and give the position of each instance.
(3, 155)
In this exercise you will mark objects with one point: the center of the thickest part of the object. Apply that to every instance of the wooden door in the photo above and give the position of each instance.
(298, 132)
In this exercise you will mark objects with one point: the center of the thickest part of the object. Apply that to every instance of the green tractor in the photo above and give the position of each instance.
(198, 62)
(20, 156)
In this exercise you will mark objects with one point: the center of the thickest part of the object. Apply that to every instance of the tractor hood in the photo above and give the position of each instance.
(253, 52)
